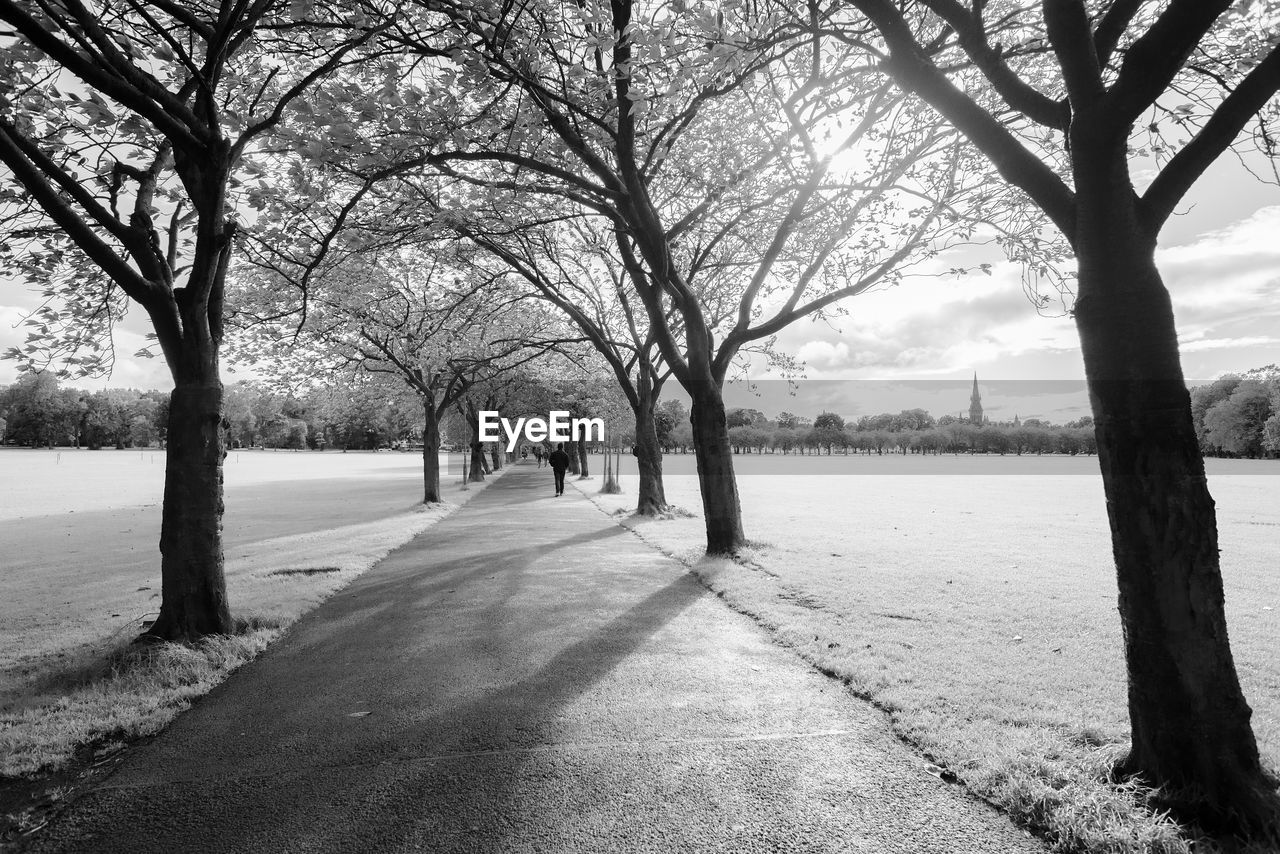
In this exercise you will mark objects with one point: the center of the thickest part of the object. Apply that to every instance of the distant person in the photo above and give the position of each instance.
(537, 454)
(559, 461)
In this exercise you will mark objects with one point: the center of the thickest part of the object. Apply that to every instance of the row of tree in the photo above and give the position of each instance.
(37, 411)
(910, 431)
(368, 184)
(955, 438)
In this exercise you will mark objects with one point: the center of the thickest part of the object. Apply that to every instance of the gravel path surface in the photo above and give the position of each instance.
(528, 676)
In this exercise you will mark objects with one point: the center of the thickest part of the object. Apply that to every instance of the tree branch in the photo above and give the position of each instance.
(915, 71)
(61, 212)
(1015, 91)
(1185, 167)
(1152, 61)
(1106, 36)
(152, 101)
(1068, 27)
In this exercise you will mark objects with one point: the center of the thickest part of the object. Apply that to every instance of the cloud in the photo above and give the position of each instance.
(932, 325)
(823, 354)
(1224, 285)
(1227, 343)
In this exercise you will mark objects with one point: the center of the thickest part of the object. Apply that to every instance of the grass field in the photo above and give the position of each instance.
(974, 599)
(80, 566)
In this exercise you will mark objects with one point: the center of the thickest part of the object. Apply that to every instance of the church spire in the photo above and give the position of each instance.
(975, 403)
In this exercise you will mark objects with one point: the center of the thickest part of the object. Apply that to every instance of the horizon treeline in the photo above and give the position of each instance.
(1236, 415)
(36, 411)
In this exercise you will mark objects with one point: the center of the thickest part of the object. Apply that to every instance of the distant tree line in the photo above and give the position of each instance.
(37, 411)
(912, 431)
(1238, 415)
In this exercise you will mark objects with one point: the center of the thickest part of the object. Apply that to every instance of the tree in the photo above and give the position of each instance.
(912, 419)
(111, 118)
(414, 313)
(745, 183)
(1270, 432)
(785, 439)
(1204, 397)
(828, 431)
(108, 416)
(1235, 424)
(361, 411)
(790, 421)
(1063, 97)
(491, 394)
(39, 412)
(670, 415)
(740, 417)
(828, 421)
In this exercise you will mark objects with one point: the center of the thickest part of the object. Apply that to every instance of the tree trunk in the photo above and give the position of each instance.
(193, 598)
(495, 454)
(573, 458)
(581, 450)
(1189, 719)
(476, 474)
(720, 506)
(430, 452)
(652, 497)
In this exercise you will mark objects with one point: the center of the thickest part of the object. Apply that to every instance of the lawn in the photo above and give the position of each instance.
(974, 600)
(80, 567)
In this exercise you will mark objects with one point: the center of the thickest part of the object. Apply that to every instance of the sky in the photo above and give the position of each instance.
(920, 343)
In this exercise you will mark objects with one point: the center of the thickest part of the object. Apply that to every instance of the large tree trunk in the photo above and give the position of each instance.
(572, 453)
(430, 452)
(193, 598)
(1189, 718)
(720, 506)
(580, 448)
(193, 586)
(652, 497)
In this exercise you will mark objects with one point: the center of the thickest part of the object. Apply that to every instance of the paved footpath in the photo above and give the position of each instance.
(527, 676)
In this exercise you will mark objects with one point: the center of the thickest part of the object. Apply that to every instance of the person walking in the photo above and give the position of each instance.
(559, 461)
(537, 454)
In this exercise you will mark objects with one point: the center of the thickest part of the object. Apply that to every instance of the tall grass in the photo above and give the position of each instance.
(133, 691)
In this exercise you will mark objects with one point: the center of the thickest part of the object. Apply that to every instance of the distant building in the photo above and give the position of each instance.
(975, 403)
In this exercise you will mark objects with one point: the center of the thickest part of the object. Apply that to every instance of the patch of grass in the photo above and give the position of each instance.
(306, 570)
(672, 511)
(133, 692)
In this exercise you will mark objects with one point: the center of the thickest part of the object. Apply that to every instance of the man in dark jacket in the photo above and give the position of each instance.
(559, 461)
